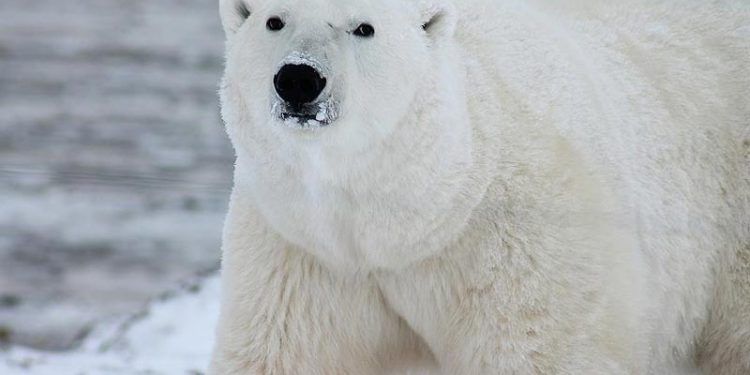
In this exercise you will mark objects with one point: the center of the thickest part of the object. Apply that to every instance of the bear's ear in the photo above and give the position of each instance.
(233, 14)
(438, 19)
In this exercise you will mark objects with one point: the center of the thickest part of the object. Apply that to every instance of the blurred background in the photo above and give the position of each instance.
(114, 166)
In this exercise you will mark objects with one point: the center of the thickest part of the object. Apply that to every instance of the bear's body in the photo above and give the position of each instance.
(522, 187)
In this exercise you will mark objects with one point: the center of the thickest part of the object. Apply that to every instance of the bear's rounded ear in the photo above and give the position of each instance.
(233, 14)
(438, 19)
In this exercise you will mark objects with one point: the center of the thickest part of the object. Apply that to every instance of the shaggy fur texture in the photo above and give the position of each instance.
(507, 187)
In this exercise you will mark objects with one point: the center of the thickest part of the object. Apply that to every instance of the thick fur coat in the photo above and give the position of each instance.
(495, 187)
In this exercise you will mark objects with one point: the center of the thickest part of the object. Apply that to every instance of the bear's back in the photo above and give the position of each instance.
(655, 94)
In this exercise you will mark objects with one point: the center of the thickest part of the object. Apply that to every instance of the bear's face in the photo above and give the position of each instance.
(339, 74)
(342, 113)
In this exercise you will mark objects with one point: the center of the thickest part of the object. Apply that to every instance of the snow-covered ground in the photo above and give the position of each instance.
(172, 337)
(114, 166)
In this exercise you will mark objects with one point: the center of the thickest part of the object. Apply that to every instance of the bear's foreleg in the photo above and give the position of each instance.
(283, 313)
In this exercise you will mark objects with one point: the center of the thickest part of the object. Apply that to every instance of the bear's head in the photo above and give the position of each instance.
(340, 74)
(349, 119)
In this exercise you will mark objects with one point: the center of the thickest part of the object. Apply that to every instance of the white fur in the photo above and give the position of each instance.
(525, 187)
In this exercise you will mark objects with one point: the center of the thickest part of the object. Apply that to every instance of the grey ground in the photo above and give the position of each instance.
(114, 166)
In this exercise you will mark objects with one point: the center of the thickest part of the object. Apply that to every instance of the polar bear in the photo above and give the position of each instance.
(486, 187)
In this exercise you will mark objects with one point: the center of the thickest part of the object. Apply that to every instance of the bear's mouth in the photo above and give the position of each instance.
(312, 116)
(300, 117)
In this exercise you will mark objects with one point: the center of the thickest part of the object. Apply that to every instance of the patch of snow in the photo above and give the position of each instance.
(299, 58)
(174, 336)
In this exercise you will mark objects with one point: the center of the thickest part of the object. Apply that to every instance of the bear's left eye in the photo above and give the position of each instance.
(364, 30)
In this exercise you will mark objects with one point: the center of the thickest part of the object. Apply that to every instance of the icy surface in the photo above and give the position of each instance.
(114, 166)
(174, 336)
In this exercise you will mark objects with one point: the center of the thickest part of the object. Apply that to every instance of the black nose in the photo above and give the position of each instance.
(298, 84)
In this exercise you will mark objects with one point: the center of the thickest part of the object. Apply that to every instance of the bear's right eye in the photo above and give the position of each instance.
(364, 30)
(274, 24)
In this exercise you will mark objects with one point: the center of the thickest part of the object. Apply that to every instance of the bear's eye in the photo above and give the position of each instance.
(274, 24)
(364, 30)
